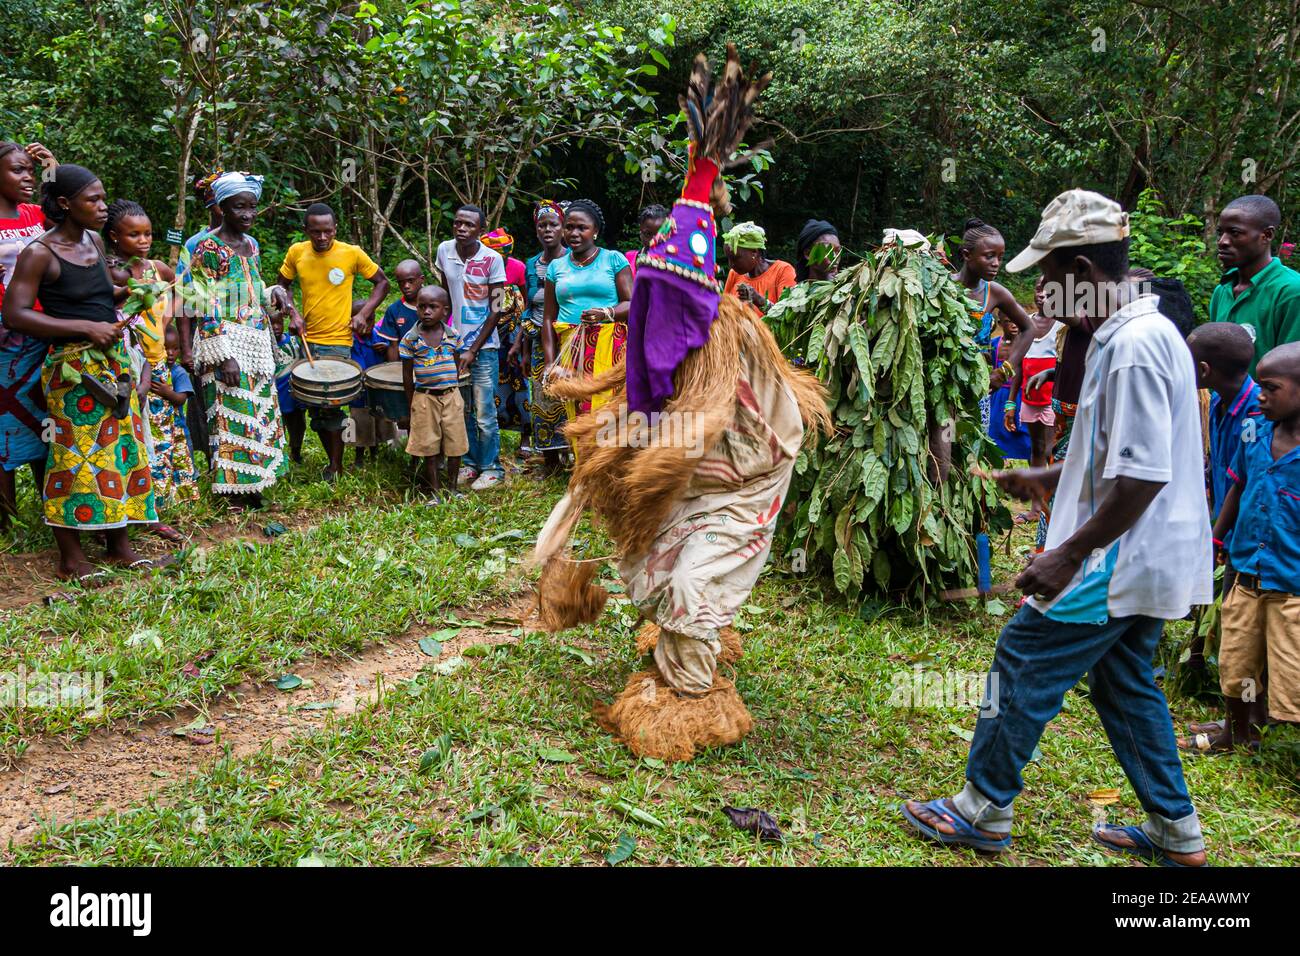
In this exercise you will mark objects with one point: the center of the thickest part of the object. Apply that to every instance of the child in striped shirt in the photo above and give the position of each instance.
(429, 372)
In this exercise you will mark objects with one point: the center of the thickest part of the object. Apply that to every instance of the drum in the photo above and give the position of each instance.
(325, 383)
(385, 391)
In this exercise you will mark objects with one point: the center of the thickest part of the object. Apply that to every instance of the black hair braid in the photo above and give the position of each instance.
(591, 209)
(118, 210)
(974, 230)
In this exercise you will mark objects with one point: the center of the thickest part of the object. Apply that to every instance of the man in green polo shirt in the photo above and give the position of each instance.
(1256, 290)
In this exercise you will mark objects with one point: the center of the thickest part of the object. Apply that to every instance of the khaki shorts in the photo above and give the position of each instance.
(1262, 629)
(437, 425)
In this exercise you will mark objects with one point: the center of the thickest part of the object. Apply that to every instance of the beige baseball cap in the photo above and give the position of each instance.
(1074, 218)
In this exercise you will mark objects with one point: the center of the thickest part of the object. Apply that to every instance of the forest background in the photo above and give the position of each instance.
(909, 114)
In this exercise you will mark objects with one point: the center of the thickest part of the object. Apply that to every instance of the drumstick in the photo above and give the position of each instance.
(311, 362)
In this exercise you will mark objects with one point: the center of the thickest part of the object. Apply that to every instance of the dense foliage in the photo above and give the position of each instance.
(892, 339)
(913, 114)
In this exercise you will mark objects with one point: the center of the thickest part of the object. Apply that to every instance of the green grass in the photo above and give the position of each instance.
(829, 757)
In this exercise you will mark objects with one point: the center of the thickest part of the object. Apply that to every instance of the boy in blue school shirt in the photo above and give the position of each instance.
(1262, 510)
(401, 316)
(1223, 352)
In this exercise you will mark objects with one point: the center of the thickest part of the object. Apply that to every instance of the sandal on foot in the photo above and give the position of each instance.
(1142, 848)
(966, 834)
(167, 533)
(1202, 744)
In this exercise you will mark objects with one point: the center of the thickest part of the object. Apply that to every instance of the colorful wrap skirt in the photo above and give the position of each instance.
(21, 411)
(174, 476)
(245, 430)
(97, 473)
(512, 386)
(590, 349)
(546, 413)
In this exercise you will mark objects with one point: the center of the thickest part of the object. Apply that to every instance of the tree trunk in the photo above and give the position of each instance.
(183, 180)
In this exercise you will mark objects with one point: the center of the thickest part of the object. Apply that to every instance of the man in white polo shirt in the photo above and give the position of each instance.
(1128, 548)
(474, 277)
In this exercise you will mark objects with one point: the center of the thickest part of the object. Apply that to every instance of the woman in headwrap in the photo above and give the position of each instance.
(21, 222)
(512, 377)
(817, 251)
(97, 472)
(754, 279)
(584, 330)
(545, 413)
(233, 349)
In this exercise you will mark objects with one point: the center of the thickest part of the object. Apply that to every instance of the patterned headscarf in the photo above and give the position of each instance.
(500, 240)
(203, 187)
(232, 184)
(545, 206)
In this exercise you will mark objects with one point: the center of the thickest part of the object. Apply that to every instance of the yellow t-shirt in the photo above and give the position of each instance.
(326, 281)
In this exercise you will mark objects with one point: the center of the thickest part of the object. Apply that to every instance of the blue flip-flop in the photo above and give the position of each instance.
(1143, 848)
(966, 834)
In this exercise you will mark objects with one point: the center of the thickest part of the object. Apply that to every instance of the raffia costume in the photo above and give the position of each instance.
(688, 465)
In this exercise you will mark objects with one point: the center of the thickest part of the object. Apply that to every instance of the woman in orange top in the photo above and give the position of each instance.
(754, 279)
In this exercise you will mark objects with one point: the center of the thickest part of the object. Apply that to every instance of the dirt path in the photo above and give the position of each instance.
(116, 767)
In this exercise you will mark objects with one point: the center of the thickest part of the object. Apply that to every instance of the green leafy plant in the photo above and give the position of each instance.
(891, 337)
(1174, 247)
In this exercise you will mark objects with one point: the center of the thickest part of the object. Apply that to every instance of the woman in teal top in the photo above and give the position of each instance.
(587, 294)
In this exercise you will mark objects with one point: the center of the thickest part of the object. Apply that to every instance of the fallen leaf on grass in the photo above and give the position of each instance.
(197, 731)
(967, 735)
(449, 666)
(58, 788)
(555, 755)
(274, 529)
(654, 762)
(430, 647)
(636, 813)
(995, 607)
(579, 653)
(192, 668)
(464, 540)
(1104, 796)
(316, 705)
(436, 755)
(315, 859)
(623, 849)
(288, 682)
(753, 820)
(445, 634)
(478, 650)
(148, 636)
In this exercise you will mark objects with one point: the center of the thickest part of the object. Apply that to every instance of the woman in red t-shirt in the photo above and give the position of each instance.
(22, 407)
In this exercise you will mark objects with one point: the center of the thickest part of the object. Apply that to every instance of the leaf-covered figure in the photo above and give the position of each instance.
(878, 505)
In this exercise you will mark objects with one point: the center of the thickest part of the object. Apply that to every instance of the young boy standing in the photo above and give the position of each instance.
(401, 315)
(431, 377)
(1262, 512)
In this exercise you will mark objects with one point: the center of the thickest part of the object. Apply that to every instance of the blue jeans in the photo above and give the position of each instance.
(1037, 661)
(481, 425)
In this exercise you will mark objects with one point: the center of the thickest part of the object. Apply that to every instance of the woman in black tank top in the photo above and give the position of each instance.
(92, 408)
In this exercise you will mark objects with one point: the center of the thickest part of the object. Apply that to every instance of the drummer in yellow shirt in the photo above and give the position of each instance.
(325, 269)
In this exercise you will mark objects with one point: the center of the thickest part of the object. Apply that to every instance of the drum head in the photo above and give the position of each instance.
(386, 375)
(325, 371)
